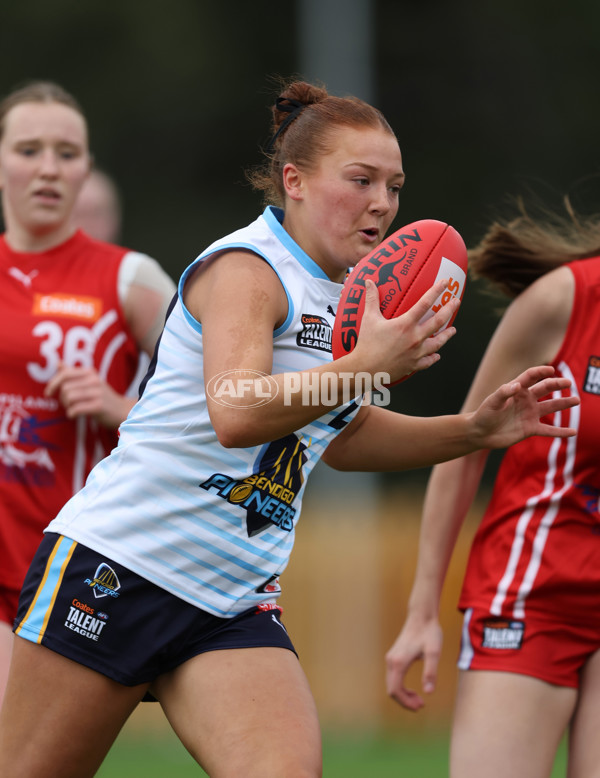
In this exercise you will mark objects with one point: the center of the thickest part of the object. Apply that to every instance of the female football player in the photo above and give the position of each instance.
(161, 577)
(530, 656)
(76, 313)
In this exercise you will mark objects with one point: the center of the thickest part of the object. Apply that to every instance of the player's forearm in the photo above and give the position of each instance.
(247, 410)
(118, 411)
(450, 493)
(386, 441)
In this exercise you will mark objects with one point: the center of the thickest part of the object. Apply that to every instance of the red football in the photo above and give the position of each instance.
(403, 266)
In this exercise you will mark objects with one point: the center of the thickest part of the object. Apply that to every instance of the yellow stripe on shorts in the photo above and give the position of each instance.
(36, 619)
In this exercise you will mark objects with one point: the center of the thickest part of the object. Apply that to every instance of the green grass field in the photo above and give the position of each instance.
(160, 756)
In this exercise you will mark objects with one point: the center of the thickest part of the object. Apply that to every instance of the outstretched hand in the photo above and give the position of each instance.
(514, 411)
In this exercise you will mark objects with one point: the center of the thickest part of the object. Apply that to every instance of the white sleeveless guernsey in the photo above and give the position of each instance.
(212, 525)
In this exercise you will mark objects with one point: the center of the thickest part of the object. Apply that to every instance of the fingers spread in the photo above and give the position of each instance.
(549, 385)
(535, 374)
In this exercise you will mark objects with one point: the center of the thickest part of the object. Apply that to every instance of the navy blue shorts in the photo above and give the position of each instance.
(98, 613)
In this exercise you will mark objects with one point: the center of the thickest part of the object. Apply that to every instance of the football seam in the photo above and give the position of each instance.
(417, 275)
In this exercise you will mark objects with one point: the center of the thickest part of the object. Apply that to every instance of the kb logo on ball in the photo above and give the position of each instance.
(242, 388)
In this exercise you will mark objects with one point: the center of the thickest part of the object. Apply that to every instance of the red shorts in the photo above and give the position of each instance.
(9, 602)
(549, 650)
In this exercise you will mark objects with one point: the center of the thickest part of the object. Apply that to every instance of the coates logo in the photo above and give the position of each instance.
(79, 307)
(242, 388)
(105, 582)
(316, 332)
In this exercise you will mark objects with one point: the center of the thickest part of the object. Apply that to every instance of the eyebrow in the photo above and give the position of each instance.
(37, 139)
(366, 165)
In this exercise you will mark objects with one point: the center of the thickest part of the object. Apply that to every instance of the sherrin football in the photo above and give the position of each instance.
(403, 267)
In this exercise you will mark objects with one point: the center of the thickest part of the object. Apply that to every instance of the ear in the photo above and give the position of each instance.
(293, 182)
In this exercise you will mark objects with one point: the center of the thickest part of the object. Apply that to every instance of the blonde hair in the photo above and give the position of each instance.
(514, 253)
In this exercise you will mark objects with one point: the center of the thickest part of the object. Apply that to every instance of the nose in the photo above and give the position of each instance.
(380, 202)
(48, 164)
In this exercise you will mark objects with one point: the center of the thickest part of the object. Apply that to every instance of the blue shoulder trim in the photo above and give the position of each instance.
(274, 218)
(194, 323)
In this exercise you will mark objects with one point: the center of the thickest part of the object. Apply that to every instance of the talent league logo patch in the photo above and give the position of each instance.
(105, 582)
(82, 619)
(316, 332)
(503, 634)
(591, 383)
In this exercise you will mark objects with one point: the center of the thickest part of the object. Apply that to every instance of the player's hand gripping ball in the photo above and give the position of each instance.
(403, 267)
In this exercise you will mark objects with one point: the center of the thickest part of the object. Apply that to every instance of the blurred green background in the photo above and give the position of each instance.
(343, 757)
(489, 100)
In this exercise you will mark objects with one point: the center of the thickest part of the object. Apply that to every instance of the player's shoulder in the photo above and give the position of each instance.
(541, 313)
(130, 261)
(551, 293)
(101, 249)
(239, 266)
